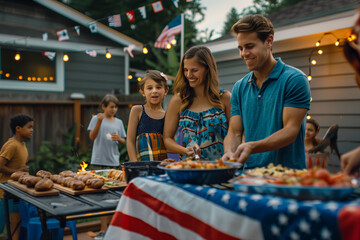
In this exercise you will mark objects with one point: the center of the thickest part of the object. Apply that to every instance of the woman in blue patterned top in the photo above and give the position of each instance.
(198, 112)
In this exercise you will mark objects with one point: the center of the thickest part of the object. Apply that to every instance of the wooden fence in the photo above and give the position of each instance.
(54, 119)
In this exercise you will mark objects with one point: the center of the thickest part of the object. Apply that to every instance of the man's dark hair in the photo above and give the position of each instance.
(19, 120)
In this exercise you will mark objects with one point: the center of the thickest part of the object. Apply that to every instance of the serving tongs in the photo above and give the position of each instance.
(197, 157)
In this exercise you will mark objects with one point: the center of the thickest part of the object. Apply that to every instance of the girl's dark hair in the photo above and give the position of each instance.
(314, 123)
(19, 120)
(155, 75)
(108, 99)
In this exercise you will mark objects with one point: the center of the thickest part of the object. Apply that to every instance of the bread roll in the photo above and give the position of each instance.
(43, 174)
(16, 175)
(66, 181)
(67, 174)
(77, 185)
(95, 183)
(30, 181)
(44, 184)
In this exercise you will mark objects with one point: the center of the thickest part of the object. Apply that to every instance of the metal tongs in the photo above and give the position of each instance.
(197, 157)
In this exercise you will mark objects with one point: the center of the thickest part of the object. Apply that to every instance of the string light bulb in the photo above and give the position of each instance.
(313, 62)
(173, 42)
(309, 77)
(145, 50)
(65, 58)
(337, 42)
(17, 56)
(320, 51)
(108, 54)
(308, 117)
(317, 43)
(168, 46)
(130, 77)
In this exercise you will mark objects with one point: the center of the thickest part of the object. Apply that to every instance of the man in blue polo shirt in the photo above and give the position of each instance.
(268, 105)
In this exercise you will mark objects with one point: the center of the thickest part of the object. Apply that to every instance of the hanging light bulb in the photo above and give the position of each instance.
(310, 99)
(17, 56)
(168, 46)
(317, 43)
(145, 50)
(139, 79)
(130, 77)
(320, 51)
(173, 42)
(308, 117)
(313, 62)
(337, 42)
(65, 57)
(309, 77)
(108, 54)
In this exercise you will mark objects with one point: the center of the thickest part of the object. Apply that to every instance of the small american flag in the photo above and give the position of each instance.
(168, 33)
(114, 20)
(62, 35)
(92, 53)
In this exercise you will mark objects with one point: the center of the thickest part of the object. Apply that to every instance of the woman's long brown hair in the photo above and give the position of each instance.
(212, 91)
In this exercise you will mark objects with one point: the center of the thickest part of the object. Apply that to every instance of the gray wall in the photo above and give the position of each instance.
(336, 98)
(94, 75)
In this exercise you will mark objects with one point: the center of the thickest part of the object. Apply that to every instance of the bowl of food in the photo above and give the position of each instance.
(199, 172)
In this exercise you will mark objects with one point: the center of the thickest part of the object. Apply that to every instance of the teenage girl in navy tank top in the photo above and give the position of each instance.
(146, 122)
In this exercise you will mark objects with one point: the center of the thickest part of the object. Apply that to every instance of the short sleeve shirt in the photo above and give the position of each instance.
(17, 155)
(106, 151)
(261, 112)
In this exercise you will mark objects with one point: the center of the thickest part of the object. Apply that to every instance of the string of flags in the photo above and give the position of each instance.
(166, 36)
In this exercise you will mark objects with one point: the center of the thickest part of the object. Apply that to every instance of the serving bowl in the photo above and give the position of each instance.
(200, 176)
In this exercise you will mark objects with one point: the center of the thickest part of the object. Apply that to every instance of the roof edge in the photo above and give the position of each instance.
(84, 20)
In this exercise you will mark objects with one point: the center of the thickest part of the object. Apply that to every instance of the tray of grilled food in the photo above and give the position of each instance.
(113, 178)
(33, 185)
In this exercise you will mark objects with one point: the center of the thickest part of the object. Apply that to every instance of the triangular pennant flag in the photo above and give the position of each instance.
(93, 27)
(188, 0)
(50, 55)
(157, 6)
(168, 33)
(176, 3)
(130, 15)
(92, 53)
(62, 35)
(45, 36)
(77, 29)
(114, 20)
(129, 49)
(142, 11)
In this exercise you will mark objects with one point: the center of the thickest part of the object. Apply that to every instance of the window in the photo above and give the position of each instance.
(32, 71)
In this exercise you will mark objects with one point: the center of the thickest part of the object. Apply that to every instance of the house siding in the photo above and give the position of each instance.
(93, 75)
(335, 96)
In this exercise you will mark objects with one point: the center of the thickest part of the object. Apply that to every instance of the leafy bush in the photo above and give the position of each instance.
(59, 157)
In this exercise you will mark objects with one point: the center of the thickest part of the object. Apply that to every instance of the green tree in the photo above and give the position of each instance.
(147, 30)
(265, 7)
(231, 18)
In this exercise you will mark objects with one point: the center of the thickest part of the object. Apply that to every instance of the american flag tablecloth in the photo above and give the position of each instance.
(157, 208)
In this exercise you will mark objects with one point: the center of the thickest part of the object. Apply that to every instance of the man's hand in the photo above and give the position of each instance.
(243, 152)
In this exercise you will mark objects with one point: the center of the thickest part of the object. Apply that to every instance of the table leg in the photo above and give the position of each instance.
(7, 216)
(46, 235)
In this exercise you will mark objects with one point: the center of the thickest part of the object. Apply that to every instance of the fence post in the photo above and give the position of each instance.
(77, 114)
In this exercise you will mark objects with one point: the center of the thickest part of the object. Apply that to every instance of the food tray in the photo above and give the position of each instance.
(77, 192)
(32, 191)
(257, 185)
(200, 176)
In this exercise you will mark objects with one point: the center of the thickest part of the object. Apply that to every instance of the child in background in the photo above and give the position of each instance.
(312, 129)
(13, 157)
(146, 122)
(106, 131)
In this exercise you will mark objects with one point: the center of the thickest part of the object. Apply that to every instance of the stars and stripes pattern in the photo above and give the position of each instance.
(157, 208)
(169, 32)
